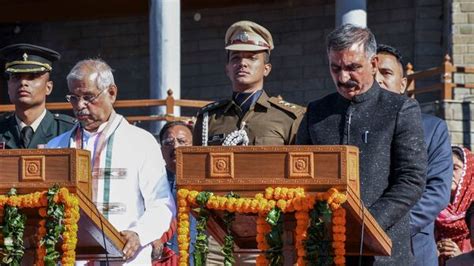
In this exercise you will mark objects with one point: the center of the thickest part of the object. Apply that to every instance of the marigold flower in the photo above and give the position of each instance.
(277, 193)
(192, 196)
(182, 203)
(281, 204)
(301, 262)
(269, 193)
(42, 212)
(183, 193)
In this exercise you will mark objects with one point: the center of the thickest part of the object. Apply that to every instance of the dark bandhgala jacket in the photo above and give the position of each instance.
(387, 129)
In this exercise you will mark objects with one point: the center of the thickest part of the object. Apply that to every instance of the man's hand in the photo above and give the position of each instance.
(157, 251)
(132, 244)
(447, 248)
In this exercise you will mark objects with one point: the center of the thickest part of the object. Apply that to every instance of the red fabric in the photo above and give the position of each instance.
(450, 223)
(168, 235)
(169, 258)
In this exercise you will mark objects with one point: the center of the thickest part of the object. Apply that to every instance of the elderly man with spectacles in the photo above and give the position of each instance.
(130, 186)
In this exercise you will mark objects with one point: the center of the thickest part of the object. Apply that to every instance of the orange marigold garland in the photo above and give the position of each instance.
(42, 200)
(183, 227)
(71, 218)
(40, 233)
(339, 235)
(338, 225)
(263, 228)
(284, 200)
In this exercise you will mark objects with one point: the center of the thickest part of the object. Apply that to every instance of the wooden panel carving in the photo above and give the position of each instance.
(83, 168)
(221, 165)
(353, 171)
(32, 168)
(300, 165)
(353, 167)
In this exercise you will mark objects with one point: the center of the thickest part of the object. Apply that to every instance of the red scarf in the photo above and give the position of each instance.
(450, 222)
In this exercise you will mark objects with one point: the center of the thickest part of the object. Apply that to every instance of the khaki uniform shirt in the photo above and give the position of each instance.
(270, 121)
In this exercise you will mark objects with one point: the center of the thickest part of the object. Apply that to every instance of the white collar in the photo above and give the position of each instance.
(100, 129)
(35, 123)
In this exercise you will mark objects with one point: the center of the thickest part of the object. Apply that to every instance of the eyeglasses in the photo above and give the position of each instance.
(88, 99)
(170, 142)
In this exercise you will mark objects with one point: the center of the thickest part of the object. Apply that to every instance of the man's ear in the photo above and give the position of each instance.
(374, 61)
(403, 85)
(267, 69)
(49, 87)
(112, 93)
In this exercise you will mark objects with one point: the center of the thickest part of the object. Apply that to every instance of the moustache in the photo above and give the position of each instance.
(348, 84)
(81, 112)
(22, 88)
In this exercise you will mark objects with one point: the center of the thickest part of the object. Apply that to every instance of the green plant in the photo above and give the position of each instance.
(13, 228)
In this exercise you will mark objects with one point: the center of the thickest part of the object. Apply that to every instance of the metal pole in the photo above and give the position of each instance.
(351, 12)
(165, 50)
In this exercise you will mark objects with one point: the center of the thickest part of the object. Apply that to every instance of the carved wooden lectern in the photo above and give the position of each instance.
(37, 170)
(247, 170)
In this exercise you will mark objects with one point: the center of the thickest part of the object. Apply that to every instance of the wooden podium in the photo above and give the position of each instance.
(247, 170)
(39, 169)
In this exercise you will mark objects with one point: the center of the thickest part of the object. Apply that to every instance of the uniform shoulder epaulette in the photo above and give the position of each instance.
(5, 116)
(292, 108)
(65, 118)
(213, 105)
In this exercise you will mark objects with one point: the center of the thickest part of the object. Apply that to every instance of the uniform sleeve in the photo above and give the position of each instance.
(158, 201)
(294, 128)
(438, 181)
(408, 170)
(197, 132)
(302, 136)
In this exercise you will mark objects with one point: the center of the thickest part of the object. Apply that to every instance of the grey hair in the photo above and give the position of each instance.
(346, 35)
(104, 78)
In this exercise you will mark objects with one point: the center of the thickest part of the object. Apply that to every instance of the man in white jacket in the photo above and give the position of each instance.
(130, 186)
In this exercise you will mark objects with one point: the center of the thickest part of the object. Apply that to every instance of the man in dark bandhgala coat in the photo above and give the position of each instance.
(386, 128)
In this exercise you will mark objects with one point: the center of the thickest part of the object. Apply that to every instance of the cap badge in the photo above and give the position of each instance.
(243, 37)
(25, 57)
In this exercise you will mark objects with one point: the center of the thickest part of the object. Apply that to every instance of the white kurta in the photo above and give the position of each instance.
(139, 197)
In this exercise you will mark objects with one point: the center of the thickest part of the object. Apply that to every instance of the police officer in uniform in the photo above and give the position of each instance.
(250, 117)
(28, 68)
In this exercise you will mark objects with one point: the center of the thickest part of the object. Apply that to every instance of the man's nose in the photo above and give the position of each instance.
(344, 76)
(24, 81)
(175, 144)
(243, 62)
(81, 104)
